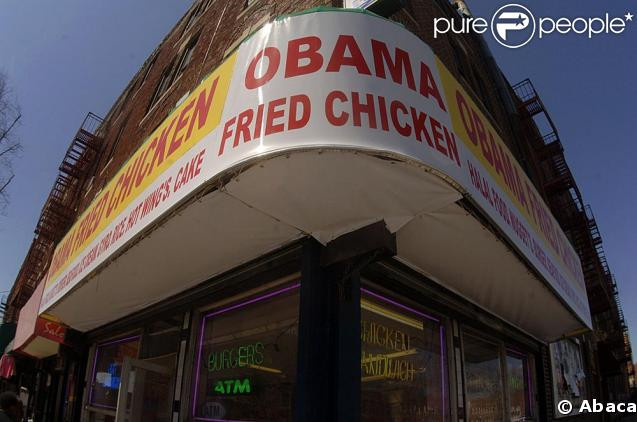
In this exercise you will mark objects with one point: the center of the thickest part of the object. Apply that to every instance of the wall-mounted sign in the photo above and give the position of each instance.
(359, 4)
(50, 329)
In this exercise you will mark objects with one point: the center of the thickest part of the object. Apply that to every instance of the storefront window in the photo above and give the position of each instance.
(107, 370)
(518, 376)
(483, 380)
(402, 363)
(246, 363)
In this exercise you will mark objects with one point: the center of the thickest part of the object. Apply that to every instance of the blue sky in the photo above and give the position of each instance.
(69, 57)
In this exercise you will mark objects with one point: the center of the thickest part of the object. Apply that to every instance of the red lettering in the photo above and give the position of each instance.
(465, 115)
(310, 54)
(355, 59)
(243, 126)
(329, 108)
(428, 87)
(274, 60)
(274, 113)
(359, 108)
(397, 68)
(227, 133)
(258, 122)
(200, 114)
(295, 120)
(437, 135)
(419, 118)
(393, 111)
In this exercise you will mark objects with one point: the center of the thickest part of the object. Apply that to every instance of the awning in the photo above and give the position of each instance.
(37, 335)
(317, 125)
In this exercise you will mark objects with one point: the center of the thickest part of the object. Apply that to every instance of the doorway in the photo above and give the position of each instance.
(146, 390)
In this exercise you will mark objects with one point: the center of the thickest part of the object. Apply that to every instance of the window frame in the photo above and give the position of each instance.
(185, 57)
(172, 73)
(228, 303)
(116, 141)
(393, 299)
(164, 84)
(504, 348)
(91, 406)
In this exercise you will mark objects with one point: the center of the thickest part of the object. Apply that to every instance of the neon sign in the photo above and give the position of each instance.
(233, 386)
(237, 357)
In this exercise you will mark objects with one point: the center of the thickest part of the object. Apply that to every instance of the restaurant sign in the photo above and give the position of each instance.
(342, 80)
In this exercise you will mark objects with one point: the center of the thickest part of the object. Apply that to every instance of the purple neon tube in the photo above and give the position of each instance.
(443, 352)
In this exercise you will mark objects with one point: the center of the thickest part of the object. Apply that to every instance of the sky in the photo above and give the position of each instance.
(66, 58)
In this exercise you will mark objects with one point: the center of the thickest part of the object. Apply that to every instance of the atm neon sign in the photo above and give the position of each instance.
(233, 386)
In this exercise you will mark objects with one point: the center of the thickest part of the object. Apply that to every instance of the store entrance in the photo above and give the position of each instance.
(145, 390)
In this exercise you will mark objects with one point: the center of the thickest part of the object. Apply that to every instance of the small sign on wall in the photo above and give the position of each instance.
(359, 4)
(384, 8)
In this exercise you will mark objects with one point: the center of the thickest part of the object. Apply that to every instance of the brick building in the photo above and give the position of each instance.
(299, 212)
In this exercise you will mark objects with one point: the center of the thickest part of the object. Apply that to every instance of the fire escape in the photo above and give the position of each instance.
(577, 221)
(58, 213)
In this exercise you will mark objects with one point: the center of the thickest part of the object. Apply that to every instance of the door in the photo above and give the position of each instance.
(145, 393)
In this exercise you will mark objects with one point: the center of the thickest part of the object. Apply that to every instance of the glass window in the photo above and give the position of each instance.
(186, 57)
(483, 380)
(246, 363)
(161, 338)
(163, 85)
(402, 363)
(149, 66)
(518, 384)
(107, 370)
(120, 131)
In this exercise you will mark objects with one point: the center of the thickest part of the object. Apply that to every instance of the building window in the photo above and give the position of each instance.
(495, 375)
(163, 85)
(147, 72)
(518, 383)
(186, 57)
(403, 370)
(120, 132)
(107, 370)
(246, 360)
(483, 380)
(174, 71)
